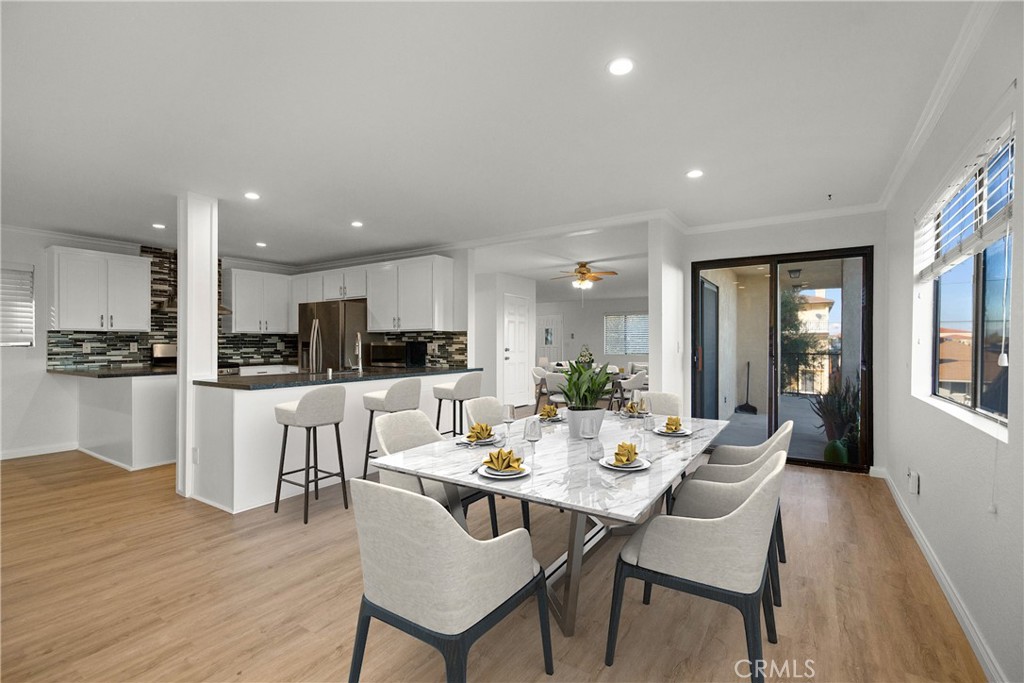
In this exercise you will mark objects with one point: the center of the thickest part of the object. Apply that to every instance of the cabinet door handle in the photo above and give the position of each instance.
(341, 290)
(111, 319)
(101, 320)
(394, 322)
(344, 291)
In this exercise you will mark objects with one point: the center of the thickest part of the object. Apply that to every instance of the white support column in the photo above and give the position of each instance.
(197, 319)
(668, 310)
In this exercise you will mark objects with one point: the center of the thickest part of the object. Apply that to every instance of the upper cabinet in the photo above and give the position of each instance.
(305, 289)
(259, 302)
(412, 294)
(91, 290)
(345, 283)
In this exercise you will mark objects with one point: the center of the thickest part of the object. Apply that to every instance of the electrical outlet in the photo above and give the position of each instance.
(86, 347)
(133, 347)
(914, 483)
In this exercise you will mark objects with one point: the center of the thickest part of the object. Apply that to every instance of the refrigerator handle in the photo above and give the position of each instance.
(318, 366)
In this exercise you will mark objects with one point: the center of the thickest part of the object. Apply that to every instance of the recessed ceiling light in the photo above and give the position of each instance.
(761, 267)
(261, 244)
(159, 226)
(620, 66)
(357, 224)
(581, 233)
(251, 195)
(695, 173)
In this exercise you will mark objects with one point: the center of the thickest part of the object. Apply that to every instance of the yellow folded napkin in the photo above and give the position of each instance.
(625, 453)
(479, 432)
(549, 411)
(504, 461)
(673, 424)
(632, 408)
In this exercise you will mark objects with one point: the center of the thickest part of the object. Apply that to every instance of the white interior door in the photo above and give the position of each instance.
(549, 338)
(517, 385)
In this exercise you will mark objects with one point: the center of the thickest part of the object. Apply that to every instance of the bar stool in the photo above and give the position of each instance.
(458, 392)
(403, 395)
(620, 396)
(318, 408)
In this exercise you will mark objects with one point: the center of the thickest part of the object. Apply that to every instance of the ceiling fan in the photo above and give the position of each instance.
(584, 276)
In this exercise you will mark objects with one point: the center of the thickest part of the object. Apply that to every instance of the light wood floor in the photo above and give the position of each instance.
(110, 576)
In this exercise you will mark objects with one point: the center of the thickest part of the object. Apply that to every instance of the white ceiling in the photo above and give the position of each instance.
(621, 249)
(441, 123)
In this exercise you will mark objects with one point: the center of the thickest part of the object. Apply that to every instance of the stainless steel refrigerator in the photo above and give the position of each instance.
(328, 334)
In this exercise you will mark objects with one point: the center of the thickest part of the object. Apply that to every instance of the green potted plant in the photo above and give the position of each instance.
(584, 387)
(839, 410)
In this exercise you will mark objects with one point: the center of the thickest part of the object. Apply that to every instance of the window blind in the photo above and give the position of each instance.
(17, 305)
(625, 334)
(974, 213)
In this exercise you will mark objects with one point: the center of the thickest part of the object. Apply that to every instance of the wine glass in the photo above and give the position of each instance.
(650, 422)
(532, 433)
(588, 432)
(508, 416)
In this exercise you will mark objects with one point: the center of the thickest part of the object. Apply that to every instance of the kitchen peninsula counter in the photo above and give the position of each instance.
(119, 372)
(306, 379)
(238, 440)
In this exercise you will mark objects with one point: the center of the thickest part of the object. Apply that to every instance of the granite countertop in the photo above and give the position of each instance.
(306, 379)
(141, 370)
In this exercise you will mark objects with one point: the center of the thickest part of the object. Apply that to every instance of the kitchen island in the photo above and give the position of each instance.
(238, 441)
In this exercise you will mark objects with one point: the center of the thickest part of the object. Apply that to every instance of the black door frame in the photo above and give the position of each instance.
(699, 376)
(773, 261)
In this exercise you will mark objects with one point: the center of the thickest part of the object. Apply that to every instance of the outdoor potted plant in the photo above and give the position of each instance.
(839, 410)
(584, 387)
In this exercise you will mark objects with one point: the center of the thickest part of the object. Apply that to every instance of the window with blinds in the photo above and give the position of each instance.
(625, 334)
(965, 246)
(17, 305)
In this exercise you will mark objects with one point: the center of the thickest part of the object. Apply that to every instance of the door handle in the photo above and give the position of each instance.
(506, 357)
(506, 348)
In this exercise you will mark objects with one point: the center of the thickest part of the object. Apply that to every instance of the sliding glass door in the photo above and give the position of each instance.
(792, 342)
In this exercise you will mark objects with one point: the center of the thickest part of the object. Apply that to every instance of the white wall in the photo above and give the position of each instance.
(486, 341)
(668, 295)
(964, 469)
(726, 281)
(752, 341)
(39, 411)
(585, 325)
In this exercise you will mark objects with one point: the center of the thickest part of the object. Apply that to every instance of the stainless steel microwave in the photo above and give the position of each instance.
(398, 354)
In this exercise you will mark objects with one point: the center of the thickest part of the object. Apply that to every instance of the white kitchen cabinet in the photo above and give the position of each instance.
(345, 283)
(305, 289)
(91, 290)
(413, 294)
(259, 302)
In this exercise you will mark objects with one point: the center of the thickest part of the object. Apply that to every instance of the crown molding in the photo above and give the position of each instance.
(519, 237)
(858, 210)
(65, 236)
(979, 16)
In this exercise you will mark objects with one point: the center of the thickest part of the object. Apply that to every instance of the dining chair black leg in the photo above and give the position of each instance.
(773, 573)
(780, 541)
(545, 625)
(613, 620)
(751, 609)
(369, 435)
(493, 509)
(341, 465)
(362, 631)
(316, 466)
(305, 490)
(455, 431)
(437, 424)
(647, 592)
(280, 469)
(769, 614)
(455, 656)
(526, 514)
(669, 502)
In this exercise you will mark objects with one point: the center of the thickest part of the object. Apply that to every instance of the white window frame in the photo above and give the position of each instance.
(625, 315)
(14, 303)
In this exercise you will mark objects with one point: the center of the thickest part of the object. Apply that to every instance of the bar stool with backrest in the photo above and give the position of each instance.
(318, 408)
(458, 392)
(402, 395)
(619, 396)
(411, 428)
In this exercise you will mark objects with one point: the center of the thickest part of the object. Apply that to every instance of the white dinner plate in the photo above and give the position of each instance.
(486, 471)
(682, 432)
(480, 442)
(609, 463)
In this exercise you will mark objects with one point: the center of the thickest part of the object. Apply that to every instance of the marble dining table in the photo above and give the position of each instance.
(565, 473)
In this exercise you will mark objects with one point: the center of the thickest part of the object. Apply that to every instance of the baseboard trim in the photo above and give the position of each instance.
(212, 504)
(106, 459)
(878, 472)
(981, 649)
(12, 453)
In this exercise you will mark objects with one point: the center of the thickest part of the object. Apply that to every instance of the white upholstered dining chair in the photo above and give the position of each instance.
(723, 558)
(423, 574)
(662, 402)
(409, 429)
(488, 410)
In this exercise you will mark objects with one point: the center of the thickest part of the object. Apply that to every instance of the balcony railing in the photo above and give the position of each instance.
(815, 372)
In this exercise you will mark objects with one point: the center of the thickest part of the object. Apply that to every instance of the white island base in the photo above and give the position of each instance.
(238, 441)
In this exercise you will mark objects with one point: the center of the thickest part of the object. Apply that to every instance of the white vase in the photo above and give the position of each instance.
(575, 418)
